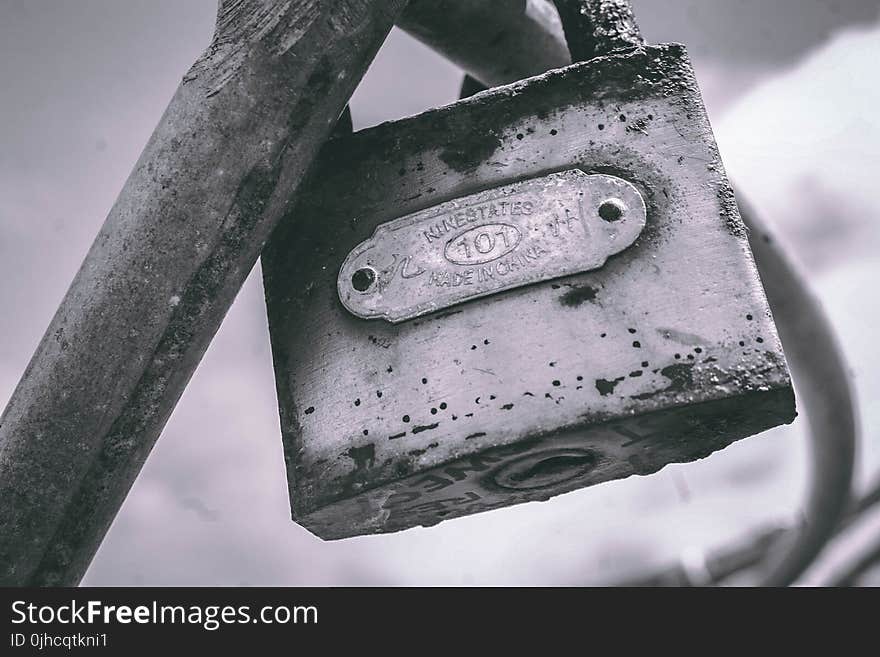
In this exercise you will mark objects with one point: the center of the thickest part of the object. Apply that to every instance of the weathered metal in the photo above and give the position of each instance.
(496, 41)
(597, 27)
(780, 555)
(664, 354)
(222, 167)
(503, 41)
(533, 230)
(83, 419)
(806, 333)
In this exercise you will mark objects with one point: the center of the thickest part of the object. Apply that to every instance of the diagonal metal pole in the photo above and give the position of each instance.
(224, 162)
(221, 167)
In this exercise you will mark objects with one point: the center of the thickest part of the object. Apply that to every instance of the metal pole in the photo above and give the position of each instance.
(218, 173)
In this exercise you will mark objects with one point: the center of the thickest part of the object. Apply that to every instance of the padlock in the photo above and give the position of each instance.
(536, 289)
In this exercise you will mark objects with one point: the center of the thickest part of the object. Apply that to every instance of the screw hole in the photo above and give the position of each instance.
(363, 279)
(612, 209)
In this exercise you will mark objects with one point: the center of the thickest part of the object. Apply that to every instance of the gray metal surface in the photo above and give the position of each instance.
(496, 41)
(664, 354)
(526, 232)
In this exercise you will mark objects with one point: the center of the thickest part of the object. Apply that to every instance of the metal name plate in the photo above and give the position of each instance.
(526, 232)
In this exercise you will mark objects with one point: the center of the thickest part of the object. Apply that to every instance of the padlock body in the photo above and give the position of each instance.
(665, 353)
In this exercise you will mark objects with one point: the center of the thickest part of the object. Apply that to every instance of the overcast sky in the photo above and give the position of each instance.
(791, 87)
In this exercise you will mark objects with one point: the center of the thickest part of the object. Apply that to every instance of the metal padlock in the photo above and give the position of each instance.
(539, 288)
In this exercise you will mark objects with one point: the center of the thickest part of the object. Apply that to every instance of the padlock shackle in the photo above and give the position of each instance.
(503, 41)
(591, 28)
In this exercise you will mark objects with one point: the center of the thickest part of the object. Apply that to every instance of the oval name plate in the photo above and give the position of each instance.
(526, 232)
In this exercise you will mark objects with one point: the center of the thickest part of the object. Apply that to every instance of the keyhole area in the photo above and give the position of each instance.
(612, 209)
(546, 469)
(363, 279)
(553, 468)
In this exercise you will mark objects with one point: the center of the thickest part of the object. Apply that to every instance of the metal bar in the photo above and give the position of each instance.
(187, 228)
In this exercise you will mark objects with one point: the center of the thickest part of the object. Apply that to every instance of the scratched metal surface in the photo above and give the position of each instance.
(665, 354)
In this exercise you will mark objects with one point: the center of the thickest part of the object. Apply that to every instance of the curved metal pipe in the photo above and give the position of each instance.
(822, 383)
(820, 374)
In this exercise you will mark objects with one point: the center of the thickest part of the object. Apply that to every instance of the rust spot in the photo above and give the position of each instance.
(470, 151)
(680, 377)
(730, 211)
(577, 295)
(363, 456)
(425, 427)
(606, 387)
(681, 336)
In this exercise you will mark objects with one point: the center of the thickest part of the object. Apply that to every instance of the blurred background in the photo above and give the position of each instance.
(793, 91)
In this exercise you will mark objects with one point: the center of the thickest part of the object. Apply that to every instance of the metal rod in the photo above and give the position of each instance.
(187, 228)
